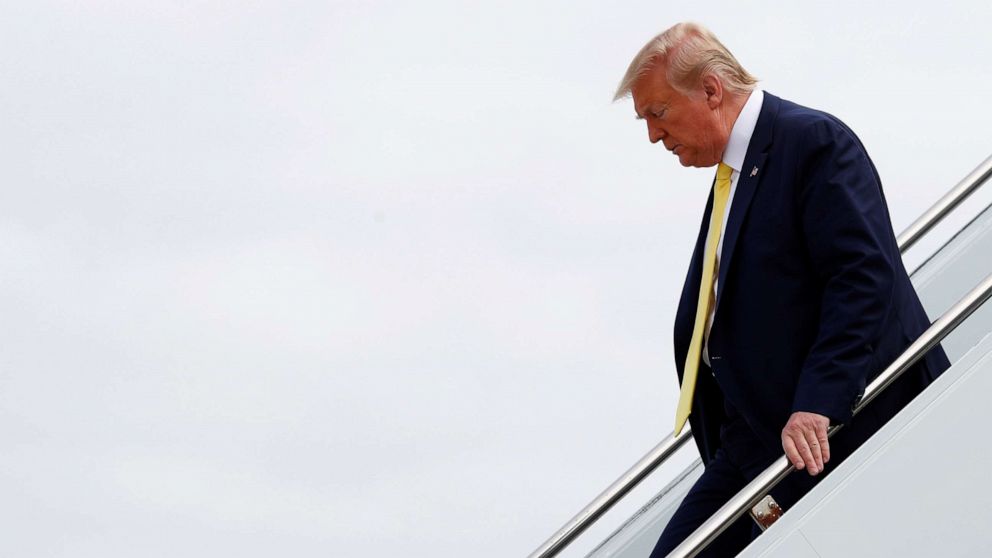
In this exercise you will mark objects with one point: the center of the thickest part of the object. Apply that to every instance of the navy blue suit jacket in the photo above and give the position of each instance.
(813, 299)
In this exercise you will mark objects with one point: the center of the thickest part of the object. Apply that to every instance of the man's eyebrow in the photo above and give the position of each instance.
(650, 108)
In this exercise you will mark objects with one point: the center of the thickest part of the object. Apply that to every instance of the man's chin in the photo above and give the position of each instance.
(695, 163)
(686, 160)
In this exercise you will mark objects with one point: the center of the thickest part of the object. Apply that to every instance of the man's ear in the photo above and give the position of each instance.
(713, 90)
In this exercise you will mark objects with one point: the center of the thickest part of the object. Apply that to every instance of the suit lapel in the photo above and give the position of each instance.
(747, 183)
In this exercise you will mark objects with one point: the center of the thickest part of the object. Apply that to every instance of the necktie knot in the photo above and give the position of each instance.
(723, 173)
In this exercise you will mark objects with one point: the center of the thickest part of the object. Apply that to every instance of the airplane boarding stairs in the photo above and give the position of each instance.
(915, 488)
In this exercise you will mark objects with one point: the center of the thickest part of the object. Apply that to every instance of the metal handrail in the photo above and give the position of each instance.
(620, 487)
(945, 205)
(780, 468)
(654, 459)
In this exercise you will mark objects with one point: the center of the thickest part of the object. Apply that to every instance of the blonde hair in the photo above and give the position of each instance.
(691, 51)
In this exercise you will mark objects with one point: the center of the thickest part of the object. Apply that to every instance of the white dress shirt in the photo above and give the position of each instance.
(733, 157)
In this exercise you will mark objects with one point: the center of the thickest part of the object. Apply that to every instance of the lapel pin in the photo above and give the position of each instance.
(754, 171)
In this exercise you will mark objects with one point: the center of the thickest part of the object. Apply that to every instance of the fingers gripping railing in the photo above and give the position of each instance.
(756, 489)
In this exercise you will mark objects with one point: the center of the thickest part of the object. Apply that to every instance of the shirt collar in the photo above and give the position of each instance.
(740, 135)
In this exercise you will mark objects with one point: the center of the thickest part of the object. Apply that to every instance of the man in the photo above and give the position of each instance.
(796, 295)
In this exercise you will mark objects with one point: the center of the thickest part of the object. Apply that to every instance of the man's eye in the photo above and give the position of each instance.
(653, 114)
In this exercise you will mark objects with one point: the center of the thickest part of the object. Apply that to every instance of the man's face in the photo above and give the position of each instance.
(691, 126)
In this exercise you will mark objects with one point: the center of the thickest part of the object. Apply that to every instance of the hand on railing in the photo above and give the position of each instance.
(805, 442)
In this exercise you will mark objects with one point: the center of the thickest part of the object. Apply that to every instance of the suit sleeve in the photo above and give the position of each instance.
(848, 236)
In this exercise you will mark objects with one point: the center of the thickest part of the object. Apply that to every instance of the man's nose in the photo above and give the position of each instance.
(655, 133)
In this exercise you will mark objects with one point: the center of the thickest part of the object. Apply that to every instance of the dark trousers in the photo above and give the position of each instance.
(740, 458)
(721, 480)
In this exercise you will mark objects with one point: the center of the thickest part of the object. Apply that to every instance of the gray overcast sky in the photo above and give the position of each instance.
(379, 278)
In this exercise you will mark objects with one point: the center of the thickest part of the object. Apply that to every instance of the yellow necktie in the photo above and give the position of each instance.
(721, 191)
